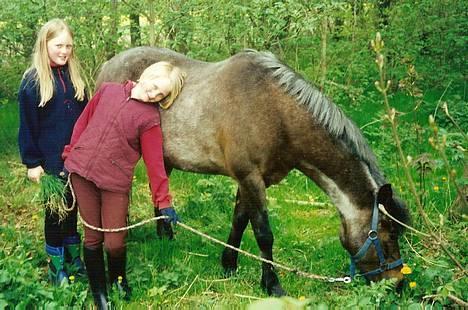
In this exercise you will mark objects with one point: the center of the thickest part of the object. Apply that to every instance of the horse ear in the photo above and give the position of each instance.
(385, 194)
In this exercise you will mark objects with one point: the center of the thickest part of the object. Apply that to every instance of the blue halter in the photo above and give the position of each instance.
(373, 239)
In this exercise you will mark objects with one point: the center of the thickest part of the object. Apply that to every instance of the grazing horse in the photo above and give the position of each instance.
(252, 118)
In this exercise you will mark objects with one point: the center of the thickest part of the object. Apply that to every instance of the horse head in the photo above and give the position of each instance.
(372, 240)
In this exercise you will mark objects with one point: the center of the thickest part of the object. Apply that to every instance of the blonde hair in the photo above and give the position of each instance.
(175, 75)
(43, 75)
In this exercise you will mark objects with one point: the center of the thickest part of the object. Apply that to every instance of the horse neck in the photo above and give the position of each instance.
(347, 181)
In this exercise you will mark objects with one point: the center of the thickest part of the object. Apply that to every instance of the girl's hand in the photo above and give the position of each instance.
(34, 174)
(172, 216)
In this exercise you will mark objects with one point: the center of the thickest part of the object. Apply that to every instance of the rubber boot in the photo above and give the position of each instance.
(73, 262)
(116, 263)
(57, 274)
(94, 260)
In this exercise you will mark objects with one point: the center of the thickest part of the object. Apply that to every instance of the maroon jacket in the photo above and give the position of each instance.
(107, 142)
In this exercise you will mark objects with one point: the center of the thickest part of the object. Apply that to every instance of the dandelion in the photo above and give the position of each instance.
(444, 179)
(302, 298)
(406, 269)
(71, 278)
(119, 279)
(436, 188)
(412, 284)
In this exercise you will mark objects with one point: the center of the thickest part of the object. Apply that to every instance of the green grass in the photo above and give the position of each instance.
(186, 273)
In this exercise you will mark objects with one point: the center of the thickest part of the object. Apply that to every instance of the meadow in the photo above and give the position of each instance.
(186, 272)
(416, 124)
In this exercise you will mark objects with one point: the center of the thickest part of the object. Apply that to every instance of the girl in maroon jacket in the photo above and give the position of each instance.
(117, 127)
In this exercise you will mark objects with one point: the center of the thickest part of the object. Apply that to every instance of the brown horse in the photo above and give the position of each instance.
(254, 119)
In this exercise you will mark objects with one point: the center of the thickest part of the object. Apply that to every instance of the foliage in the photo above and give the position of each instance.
(328, 43)
(424, 32)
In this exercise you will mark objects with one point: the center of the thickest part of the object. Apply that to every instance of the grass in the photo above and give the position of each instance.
(186, 273)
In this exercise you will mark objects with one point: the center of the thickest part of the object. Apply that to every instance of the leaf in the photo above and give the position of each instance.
(157, 291)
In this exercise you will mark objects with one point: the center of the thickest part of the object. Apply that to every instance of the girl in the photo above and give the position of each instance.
(51, 98)
(116, 128)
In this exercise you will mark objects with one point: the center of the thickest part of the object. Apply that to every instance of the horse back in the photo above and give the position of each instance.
(230, 118)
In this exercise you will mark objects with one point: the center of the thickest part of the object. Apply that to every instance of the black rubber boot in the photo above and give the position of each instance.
(94, 261)
(117, 263)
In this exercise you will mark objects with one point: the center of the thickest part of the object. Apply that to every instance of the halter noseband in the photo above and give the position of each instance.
(373, 239)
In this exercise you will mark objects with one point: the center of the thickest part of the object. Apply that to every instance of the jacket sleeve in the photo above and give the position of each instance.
(83, 121)
(152, 151)
(29, 127)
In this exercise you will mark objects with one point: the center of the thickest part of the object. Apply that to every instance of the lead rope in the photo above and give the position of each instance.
(195, 231)
(384, 211)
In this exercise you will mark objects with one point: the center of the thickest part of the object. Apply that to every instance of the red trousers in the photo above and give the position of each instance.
(103, 209)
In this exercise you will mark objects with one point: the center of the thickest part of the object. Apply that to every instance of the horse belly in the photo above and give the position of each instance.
(190, 142)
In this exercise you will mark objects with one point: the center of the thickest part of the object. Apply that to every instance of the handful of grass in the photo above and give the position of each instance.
(53, 194)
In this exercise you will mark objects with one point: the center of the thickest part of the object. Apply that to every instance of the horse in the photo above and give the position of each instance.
(254, 119)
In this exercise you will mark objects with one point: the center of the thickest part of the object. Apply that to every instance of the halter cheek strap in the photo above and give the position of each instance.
(373, 239)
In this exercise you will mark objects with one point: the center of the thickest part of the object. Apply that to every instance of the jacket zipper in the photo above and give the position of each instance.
(61, 80)
(118, 166)
(104, 134)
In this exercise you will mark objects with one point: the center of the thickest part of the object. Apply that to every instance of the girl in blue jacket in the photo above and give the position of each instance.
(51, 98)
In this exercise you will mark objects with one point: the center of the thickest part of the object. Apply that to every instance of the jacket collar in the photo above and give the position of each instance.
(128, 86)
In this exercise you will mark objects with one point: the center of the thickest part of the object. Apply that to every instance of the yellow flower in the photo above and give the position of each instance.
(119, 279)
(412, 284)
(71, 278)
(435, 188)
(406, 269)
(444, 179)
(301, 298)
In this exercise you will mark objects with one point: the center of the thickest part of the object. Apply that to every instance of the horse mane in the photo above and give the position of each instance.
(327, 114)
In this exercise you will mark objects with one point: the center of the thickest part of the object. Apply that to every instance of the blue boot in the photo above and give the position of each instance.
(57, 274)
(73, 263)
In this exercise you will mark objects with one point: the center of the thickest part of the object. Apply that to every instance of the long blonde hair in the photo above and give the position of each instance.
(40, 66)
(175, 75)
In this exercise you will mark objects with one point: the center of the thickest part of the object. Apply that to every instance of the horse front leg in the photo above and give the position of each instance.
(253, 198)
(264, 237)
(239, 223)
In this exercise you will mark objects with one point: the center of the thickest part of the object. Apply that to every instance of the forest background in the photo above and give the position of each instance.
(419, 138)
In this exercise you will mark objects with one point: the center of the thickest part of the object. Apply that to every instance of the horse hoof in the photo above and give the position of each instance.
(164, 231)
(229, 262)
(272, 286)
(229, 272)
(277, 291)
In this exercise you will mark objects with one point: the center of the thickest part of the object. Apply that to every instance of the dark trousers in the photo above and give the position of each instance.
(104, 209)
(56, 231)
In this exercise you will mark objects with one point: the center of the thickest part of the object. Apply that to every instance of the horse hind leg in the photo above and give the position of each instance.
(239, 223)
(253, 200)
(163, 229)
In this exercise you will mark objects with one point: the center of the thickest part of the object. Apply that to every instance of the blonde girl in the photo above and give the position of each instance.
(120, 124)
(51, 98)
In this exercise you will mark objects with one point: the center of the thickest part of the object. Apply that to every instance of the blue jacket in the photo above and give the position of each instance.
(44, 131)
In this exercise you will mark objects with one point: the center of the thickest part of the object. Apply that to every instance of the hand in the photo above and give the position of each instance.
(34, 174)
(171, 215)
(64, 173)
